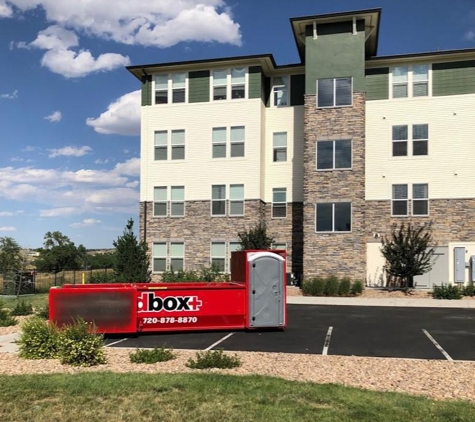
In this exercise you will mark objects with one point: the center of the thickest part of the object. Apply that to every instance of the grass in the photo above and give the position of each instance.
(37, 301)
(207, 397)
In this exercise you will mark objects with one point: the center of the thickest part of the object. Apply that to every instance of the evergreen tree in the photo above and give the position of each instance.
(255, 238)
(10, 255)
(132, 259)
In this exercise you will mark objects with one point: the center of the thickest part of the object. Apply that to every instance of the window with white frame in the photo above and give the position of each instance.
(400, 200)
(419, 138)
(170, 88)
(236, 200)
(161, 144)
(218, 256)
(159, 251)
(177, 203)
(420, 199)
(218, 200)
(334, 155)
(333, 217)
(238, 83)
(229, 84)
(280, 89)
(279, 144)
(279, 203)
(219, 142)
(220, 84)
(238, 134)
(334, 92)
(160, 201)
(178, 144)
(177, 256)
(410, 81)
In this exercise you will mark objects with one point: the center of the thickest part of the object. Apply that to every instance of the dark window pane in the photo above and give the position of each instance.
(218, 263)
(178, 209)
(324, 155)
(219, 93)
(279, 210)
(343, 91)
(160, 209)
(420, 148)
(219, 151)
(219, 208)
(400, 91)
(218, 192)
(176, 264)
(399, 207)
(399, 149)
(399, 191)
(342, 154)
(343, 217)
(236, 208)
(325, 93)
(161, 97)
(178, 153)
(160, 153)
(420, 132)
(237, 150)
(420, 207)
(324, 217)
(400, 133)
(159, 265)
(179, 95)
(237, 91)
(420, 89)
(280, 154)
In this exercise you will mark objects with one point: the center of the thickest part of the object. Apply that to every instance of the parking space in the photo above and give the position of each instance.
(421, 333)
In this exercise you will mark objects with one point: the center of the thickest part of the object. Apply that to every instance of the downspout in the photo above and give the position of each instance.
(144, 238)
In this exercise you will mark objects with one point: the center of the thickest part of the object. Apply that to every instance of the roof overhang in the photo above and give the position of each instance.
(371, 18)
(430, 56)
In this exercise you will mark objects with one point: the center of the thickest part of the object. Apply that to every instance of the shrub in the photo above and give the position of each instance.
(39, 339)
(43, 312)
(357, 287)
(313, 287)
(206, 274)
(42, 288)
(344, 287)
(152, 356)
(102, 278)
(6, 320)
(213, 359)
(80, 345)
(331, 286)
(447, 292)
(469, 290)
(22, 308)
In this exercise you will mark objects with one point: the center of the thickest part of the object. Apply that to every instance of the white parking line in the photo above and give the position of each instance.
(115, 342)
(327, 341)
(219, 341)
(432, 339)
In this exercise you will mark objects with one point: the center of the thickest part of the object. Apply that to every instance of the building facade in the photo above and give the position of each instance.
(329, 152)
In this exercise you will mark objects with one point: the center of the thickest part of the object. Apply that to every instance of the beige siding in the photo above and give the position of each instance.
(199, 170)
(448, 168)
(375, 264)
(287, 174)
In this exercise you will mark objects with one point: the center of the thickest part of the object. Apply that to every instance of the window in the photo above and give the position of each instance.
(420, 199)
(179, 87)
(218, 255)
(238, 83)
(177, 205)
(159, 257)
(335, 92)
(333, 155)
(279, 143)
(281, 91)
(160, 201)
(279, 203)
(236, 200)
(170, 88)
(219, 142)
(399, 200)
(237, 141)
(410, 81)
(161, 151)
(177, 256)
(333, 217)
(218, 200)
(280, 246)
(178, 144)
(220, 84)
(420, 140)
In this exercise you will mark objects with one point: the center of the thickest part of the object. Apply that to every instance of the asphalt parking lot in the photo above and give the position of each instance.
(420, 333)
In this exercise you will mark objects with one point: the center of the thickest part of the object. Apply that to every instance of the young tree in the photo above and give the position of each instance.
(408, 252)
(255, 238)
(132, 260)
(10, 255)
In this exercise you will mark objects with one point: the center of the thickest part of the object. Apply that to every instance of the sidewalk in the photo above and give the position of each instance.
(7, 343)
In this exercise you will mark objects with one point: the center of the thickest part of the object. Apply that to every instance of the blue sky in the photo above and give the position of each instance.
(69, 110)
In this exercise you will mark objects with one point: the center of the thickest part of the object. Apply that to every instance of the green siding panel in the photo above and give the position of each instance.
(198, 83)
(297, 90)
(453, 78)
(147, 90)
(255, 82)
(335, 53)
(377, 84)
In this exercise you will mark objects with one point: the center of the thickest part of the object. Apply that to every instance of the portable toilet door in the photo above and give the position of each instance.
(266, 278)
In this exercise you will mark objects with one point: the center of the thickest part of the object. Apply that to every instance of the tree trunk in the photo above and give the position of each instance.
(410, 282)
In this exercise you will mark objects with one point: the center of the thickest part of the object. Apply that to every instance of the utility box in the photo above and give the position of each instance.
(472, 268)
(459, 264)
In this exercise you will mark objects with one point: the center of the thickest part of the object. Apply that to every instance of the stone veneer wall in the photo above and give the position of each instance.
(342, 254)
(453, 220)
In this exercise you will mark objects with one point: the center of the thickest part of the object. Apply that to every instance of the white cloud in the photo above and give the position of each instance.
(59, 212)
(470, 35)
(69, 151)
(87, 222)
(11, 96)
(5, 10)
(55, 37)
(130, 168)
(77, 65)
(122, 117)
(10, 213)
(54, 117)
(7, 229)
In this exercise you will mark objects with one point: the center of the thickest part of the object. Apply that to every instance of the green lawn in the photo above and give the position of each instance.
(37, 301)
(207, 397)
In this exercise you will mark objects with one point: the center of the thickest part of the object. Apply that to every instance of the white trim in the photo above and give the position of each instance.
(334, 93)
(410, 81)
(273, 202)
(334, 155)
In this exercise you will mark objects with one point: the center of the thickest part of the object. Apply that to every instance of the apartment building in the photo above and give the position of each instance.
(328, 152)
